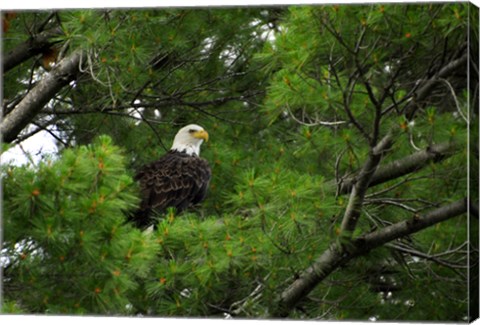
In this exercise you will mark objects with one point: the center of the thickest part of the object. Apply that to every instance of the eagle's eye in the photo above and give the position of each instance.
(191, 131)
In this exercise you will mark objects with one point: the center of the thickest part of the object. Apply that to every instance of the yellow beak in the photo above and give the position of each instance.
(201, 135)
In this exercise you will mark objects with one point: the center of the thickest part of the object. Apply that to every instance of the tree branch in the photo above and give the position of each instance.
(45, 90)
(428, 86)
(360, 187)
(414, 252)
(401, 229)
(403, 166)
(337, 255)
(31, 47)
(347, 98)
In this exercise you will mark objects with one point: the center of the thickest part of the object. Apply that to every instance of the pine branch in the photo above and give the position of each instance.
(360, 187)
(416, 223)
(403, 166)
(35, 45)
(337, 255)
(45, 90)
(429, 85)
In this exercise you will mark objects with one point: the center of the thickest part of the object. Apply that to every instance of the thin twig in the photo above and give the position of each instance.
(417, 253)
(316, 123)
(337, 177)
(390, 202)
(454, 96)
(388, 189)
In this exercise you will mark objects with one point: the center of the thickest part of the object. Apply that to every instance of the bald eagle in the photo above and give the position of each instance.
(179, 179)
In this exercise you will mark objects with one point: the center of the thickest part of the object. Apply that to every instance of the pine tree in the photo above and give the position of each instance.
(69, 249)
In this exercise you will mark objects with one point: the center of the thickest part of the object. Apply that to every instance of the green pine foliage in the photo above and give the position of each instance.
(69, 249)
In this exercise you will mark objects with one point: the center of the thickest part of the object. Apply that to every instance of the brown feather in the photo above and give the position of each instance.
(176, 180)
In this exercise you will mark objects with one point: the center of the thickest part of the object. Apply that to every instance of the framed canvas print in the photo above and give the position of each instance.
(266, 161)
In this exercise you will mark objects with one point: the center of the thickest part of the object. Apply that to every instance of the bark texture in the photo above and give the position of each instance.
(34, 45)
(60, 76)
(404, 166)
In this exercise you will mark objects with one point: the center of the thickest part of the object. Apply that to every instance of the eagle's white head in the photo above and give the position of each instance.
(189, 139)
